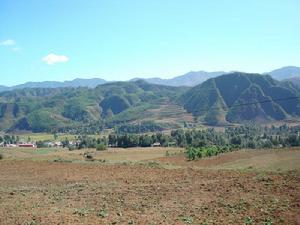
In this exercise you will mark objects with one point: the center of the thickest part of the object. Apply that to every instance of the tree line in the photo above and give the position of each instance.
(250, 136)
(247, 136)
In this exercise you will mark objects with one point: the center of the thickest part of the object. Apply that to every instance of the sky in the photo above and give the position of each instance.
(42, 40)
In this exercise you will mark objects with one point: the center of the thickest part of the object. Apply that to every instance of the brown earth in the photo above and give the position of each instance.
(47, 192)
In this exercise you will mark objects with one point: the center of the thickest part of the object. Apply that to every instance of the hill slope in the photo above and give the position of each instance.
(66, 109)
(230, 98)
(240, 97)
(294, 80)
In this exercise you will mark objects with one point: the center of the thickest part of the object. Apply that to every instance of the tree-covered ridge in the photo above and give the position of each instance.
(65, 109)
(230, 98)
(240, 97)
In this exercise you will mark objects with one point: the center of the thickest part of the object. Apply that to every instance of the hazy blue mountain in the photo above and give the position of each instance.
(285, 72)
(189, 79)
(3, 88)
(91, 83)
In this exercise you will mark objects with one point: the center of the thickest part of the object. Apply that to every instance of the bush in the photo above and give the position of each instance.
(71, 148)
(40, 144)
(193, 153)
(101, 147)
(1, 156)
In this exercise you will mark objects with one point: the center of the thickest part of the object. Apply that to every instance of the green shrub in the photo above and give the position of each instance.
(71, 148)
(41, 144)
(193, 153)
(101, 147)
(1, 156)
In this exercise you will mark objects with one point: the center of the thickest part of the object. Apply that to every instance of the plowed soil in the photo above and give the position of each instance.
(44, 192)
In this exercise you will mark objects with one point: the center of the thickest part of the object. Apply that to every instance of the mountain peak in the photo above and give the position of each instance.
(285, 72)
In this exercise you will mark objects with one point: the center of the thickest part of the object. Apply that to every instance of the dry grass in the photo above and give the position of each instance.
(265, 160)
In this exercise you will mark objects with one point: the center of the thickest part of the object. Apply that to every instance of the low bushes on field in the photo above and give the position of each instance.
(193, 153)
(101, 147)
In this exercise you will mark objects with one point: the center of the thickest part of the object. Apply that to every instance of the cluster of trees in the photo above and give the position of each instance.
(243, 137)
(199, 143)
(134, 140)
(249, 136)
(9, 139)
(85, 141)
(193, 153)
(87, 128)
(144, 127)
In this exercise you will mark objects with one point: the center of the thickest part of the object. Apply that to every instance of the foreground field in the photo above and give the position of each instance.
(143, 186)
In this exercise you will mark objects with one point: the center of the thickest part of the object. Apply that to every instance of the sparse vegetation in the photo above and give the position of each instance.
(101, 147)
(143, 180)
(193, 153)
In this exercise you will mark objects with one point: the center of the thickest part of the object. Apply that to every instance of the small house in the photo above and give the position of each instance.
(27, 145)
(156, 144)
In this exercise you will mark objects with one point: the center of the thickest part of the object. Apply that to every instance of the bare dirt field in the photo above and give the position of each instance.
(144, 186)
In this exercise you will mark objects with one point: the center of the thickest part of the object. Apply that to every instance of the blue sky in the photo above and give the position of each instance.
(121, 39)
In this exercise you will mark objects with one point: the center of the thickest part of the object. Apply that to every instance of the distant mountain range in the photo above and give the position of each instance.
(226, 99)
(194, 78)
(285, 73)
(94, 82)
(189, 79)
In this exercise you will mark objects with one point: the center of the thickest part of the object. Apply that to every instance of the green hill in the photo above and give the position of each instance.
(67, 109)
(230, 98)
(240, 97)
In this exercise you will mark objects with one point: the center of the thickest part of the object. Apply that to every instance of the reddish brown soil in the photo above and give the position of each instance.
(83, 193)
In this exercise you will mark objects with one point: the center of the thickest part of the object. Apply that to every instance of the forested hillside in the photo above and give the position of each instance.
(69, 109)
(240, 97)
(142, 107)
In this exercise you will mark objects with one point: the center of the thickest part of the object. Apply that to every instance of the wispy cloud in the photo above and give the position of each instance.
(53, 58)
(16, 49)
(8, 42)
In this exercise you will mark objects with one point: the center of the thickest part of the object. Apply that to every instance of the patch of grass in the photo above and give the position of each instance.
(268, 221)
(249, 220)
(153, 164)
(82, 211)
(30, 223)
(186, 219)
(1, 156)
(102, 213)
(43, 151)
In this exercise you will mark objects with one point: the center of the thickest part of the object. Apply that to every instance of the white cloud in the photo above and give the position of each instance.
(8, 42)
(15, 49)
(53, 58)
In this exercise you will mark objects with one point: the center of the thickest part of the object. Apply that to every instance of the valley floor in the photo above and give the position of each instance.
(144, 186)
